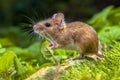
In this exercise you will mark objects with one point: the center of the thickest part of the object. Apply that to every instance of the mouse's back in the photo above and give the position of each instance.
(83, 36)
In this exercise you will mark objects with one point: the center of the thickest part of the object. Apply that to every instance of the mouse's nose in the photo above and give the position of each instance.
(35, 27)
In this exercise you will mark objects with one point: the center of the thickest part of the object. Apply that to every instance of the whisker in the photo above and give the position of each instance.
(30, 36)
(51, 38)
(42, 14)
(26, 27)
(36, 15)
(26, 24)
(31, 20)
(27, 34)
(25, 30)
(35, 36)
(43, 35)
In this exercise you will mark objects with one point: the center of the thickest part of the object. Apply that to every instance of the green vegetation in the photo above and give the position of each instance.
(18, 62)
(107, 69)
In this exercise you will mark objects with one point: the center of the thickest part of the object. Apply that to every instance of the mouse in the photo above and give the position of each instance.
(75, 35)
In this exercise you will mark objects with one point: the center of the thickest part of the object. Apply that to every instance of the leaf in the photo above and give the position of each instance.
(2, 50)
(18, 66)
(110, 34)
(5, 42)
(45, 50)
(114, 16)
(99, 20)
(6, 61)
(102, 15)
(0, 46)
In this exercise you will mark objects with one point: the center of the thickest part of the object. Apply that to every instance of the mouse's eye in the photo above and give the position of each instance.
(47, 24)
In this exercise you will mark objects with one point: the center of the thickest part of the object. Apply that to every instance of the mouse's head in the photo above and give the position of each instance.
(51, 25)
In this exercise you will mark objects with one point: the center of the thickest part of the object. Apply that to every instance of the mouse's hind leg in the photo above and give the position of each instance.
(96, 57)
(76, 58)
(81, 56)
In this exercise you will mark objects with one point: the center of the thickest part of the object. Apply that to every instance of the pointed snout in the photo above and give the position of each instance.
(37, 28)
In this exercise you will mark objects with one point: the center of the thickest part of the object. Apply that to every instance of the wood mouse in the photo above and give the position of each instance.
(75, 35)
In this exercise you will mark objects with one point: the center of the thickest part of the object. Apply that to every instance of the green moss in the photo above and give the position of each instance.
(108, 69)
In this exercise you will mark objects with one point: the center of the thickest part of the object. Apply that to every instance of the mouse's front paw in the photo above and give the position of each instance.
(53, 46)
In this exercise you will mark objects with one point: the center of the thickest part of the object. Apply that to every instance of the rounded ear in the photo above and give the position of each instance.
(58, 19)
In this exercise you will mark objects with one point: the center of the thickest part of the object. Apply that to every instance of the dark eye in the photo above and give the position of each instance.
(47, 24)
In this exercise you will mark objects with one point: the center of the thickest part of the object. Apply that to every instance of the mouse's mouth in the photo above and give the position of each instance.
(48, 37)
(40, 32)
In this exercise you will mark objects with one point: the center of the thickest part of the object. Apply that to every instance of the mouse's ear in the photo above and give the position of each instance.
(58, 19)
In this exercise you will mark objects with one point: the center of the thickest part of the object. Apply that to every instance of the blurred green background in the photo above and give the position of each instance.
(13, 13)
